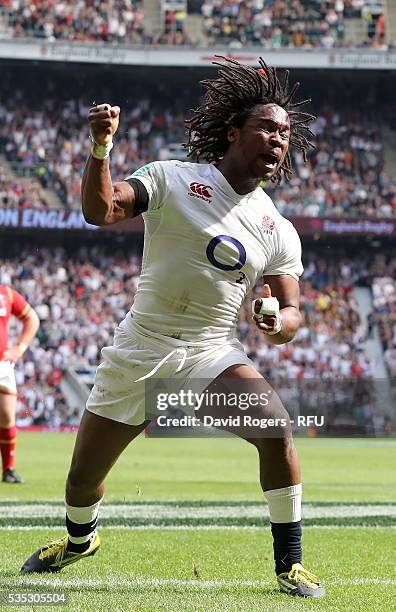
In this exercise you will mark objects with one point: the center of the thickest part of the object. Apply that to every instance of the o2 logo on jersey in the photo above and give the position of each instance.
(210, 253)
(213, 252)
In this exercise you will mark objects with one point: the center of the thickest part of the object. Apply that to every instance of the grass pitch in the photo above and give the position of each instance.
(184, 526)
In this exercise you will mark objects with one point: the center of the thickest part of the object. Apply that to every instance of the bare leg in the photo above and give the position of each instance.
(279, 463)
(279, 468)
(7, 410)
(99, 443)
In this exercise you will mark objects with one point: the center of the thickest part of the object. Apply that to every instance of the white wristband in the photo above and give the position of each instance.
(100, 151)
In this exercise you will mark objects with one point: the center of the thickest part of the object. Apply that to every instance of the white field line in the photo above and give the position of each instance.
(343, 442)
(116, 582)
(154, 527)
(156, 511)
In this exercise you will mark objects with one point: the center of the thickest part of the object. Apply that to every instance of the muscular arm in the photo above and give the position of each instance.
(102, 202)
(30, 327)
(287, 291)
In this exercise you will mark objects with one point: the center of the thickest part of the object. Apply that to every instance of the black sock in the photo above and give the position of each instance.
(78, 548)
(287, 545)
(79, 530)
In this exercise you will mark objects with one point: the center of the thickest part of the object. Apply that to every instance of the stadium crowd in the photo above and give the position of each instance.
(58, 143)
(80, 296)
(267, 23)
(329, 343)
(384, 301)
(78, 300)
(344, 175)
(21, 193)
(289, 23)
(113, 22)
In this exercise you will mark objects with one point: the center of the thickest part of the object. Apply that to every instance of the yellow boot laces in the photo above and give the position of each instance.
(57, 547)
(299, 574)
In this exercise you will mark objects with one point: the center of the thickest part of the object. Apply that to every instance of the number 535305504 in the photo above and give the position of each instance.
(29, 598)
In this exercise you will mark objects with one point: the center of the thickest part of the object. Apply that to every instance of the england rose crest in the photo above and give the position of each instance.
(268, 223)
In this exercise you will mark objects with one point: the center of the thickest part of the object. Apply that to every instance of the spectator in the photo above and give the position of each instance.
(344, 177)
(324, 365)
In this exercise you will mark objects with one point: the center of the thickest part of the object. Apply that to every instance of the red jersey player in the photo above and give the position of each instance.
(12, 303)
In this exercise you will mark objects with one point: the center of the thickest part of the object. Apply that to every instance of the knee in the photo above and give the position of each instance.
(7, 412)
(270, 447)
(272, 429)
(7, 422)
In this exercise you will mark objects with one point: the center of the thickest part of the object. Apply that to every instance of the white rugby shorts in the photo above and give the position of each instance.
(119, 395)
(7, 378)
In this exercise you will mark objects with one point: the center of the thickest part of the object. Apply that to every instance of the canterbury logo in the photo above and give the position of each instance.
(202, 190)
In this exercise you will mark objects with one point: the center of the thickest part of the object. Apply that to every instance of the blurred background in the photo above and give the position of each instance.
(56, 58)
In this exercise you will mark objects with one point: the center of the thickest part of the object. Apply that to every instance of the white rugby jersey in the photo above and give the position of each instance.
(205, 246)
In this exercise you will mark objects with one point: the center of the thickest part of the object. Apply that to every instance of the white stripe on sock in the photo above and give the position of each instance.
(82, 516)
(285, 504)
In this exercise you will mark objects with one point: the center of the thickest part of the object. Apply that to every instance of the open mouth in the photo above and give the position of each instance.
(270, 159)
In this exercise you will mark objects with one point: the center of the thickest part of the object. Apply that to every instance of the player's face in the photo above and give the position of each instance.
(263, 141)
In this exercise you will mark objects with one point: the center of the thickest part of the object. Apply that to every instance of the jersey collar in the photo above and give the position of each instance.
(222, 182)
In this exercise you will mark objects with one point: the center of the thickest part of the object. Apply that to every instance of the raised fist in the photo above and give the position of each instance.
(103, 121)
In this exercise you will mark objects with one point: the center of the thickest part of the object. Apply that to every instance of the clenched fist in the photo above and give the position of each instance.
(266, 313)
(103, 121)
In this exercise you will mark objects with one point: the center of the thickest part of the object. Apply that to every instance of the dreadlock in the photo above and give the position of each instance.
(228, 101)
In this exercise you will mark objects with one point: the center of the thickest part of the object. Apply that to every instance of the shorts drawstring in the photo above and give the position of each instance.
(180, 350)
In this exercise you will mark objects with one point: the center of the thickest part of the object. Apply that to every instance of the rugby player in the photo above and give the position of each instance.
(12, 303)
(210, 233)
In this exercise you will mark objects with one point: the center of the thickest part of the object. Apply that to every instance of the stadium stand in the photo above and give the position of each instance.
(329, 344)
(306, 24)
(345, 175)
(78, 299)
(117, 21)
(21, 193)
(57, 144)
(384, 301)
(271, 24)
(296, 23)
(81, 294)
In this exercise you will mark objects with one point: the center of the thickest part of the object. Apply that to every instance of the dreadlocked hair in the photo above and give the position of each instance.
(229, 100)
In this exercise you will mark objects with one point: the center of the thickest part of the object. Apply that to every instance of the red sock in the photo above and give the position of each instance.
(7, 446)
